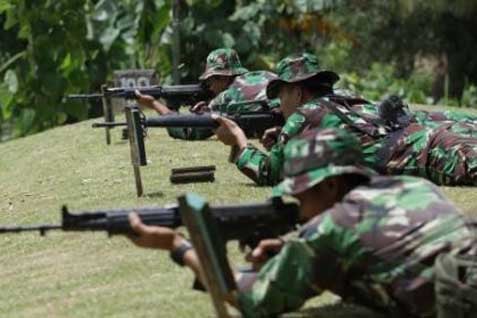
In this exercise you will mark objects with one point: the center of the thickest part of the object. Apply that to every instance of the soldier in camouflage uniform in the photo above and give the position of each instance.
(236, 90)
(457, 122)
(370, 239)
(265, 169)
(307, 99)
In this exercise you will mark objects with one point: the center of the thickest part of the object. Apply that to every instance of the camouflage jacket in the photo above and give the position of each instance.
(438, 154)
(376, 248)
(250, 86)
(266, 169)
(457, 122)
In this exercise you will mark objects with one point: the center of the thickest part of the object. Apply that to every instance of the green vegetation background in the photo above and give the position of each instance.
(422, 50)
(89, 274)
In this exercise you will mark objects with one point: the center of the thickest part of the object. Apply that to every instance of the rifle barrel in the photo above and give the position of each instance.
(182, 121)
(84, 96)
(40, 228)
(108, 124)
(178, 92)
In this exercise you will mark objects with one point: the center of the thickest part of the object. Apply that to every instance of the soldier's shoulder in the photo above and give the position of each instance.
(254, 78)
(403, 191)
(399, 181)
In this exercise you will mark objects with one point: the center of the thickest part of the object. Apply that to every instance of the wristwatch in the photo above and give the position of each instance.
(177, 254)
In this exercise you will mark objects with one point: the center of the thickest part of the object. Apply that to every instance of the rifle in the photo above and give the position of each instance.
(174, 93)
(247, 223)
(253, 124)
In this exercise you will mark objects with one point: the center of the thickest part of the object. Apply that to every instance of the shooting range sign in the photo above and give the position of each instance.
(132, 78)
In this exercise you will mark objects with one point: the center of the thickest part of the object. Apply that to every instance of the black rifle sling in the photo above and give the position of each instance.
(333, 107)
(381, 130)
(391, 136)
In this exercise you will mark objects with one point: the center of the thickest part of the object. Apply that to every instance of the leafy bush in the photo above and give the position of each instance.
(381, 81)
(53, 48)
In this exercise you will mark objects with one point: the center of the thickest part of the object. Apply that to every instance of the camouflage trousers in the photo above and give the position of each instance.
(439, 155)
(456, 286)
(451, 159)
(464, 129)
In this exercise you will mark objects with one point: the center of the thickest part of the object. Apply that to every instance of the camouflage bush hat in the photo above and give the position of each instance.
(297, 68)
(223, 62)
(316, 155)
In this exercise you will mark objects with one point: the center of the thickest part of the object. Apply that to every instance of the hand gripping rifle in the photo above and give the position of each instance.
(247, 223)
(255, 123)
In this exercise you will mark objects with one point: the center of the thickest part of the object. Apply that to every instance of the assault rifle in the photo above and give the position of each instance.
(173, 93)
(247, 223)
(253, 124)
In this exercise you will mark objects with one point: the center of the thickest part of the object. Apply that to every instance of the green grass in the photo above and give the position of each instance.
(89, 275)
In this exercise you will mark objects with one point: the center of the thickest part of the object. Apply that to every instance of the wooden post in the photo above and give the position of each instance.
(136, 146)
(107, 111)
(176, 41)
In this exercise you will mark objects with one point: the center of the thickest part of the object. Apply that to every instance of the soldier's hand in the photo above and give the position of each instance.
(230, 133)
(151, 236)
(200, 107)
(145, 100)
(270, 137)
(264, 251)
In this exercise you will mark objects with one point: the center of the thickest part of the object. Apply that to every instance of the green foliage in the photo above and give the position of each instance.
(381, 81)
(62, 47)
(468, 99)
(52, 48)
(400, 31)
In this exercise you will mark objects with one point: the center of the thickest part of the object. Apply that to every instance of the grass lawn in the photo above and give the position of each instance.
(89, 275)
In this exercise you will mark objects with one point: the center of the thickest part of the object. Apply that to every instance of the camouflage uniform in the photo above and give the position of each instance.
(265, 169)
(456, 122)
(247, 86)
(376, 247)
(436, 154)
(251, 86)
